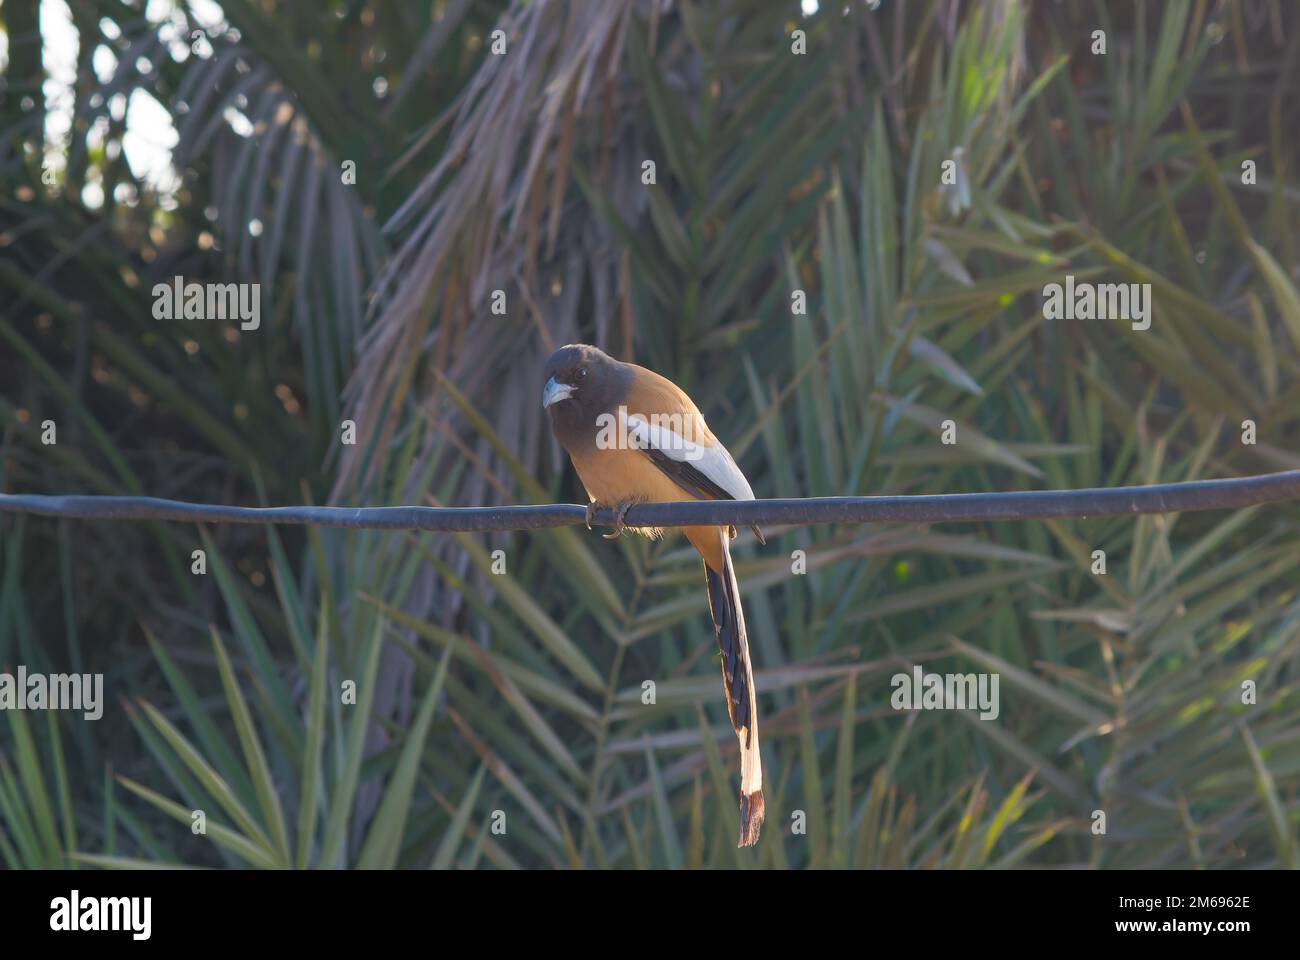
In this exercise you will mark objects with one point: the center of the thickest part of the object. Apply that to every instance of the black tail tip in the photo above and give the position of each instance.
(751, 818)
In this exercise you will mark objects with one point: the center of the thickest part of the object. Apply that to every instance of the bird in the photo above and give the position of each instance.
(636, 437)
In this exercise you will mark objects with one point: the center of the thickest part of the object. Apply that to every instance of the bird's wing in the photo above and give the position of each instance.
(667, 426)
(704, 470)
(707, 472)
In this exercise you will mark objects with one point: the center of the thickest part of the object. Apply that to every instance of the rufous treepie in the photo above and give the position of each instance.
(636, 437)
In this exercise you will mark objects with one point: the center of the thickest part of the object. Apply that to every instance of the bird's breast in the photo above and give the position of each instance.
(612, 476)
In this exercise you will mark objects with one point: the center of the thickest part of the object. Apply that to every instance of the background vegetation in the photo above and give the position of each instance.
(522, 693)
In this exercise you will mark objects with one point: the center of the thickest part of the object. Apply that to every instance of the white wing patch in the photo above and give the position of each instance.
(714, 461)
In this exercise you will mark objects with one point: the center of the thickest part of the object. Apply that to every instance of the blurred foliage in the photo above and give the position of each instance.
(775, 172)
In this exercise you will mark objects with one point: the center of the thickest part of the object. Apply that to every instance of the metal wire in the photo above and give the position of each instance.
(943, 508)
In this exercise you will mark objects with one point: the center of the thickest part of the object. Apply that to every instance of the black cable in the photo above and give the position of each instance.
(968, 507)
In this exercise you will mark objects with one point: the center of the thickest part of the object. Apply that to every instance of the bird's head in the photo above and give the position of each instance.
(581, 376)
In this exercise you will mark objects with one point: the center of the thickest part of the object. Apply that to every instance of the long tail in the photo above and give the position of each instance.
(738, 682)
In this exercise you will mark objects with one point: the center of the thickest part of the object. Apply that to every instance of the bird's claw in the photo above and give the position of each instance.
(620, 513)
(591, 512)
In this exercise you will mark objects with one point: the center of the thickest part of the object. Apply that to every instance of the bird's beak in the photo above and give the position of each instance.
(556, 391)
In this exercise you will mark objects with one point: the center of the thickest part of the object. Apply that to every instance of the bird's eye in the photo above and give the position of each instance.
(582, 373)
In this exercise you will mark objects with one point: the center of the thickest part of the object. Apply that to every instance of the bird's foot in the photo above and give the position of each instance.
(620, 513)
(592, 507)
